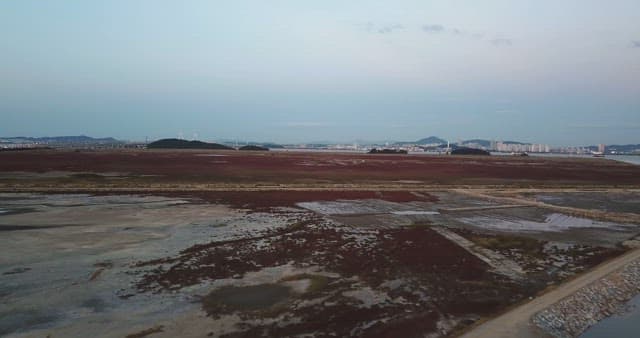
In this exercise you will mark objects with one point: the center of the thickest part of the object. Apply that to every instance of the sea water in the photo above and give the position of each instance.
(626, 324)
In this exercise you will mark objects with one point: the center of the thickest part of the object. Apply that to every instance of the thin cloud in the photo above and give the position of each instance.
(635, 44)
(390, 28)
(507, 111)
(455, 31)
(433, 28)
(382, 29)
(501, 42)
(460, 32)
(441, 29)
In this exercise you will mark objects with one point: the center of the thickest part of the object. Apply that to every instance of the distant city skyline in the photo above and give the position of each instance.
(557, 73)
(489, 144)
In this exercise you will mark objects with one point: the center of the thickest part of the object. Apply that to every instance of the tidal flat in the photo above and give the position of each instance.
(313, 263)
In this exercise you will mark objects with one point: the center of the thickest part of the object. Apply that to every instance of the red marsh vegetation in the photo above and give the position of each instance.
(308, 167)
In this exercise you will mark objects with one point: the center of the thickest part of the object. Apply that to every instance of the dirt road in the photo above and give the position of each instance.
(517, 322)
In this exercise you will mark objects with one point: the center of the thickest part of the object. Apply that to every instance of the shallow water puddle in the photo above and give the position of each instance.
(553, 223)
(253, 297)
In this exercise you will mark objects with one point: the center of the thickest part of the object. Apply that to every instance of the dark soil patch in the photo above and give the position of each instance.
(16, 211)
(16, 271)
(30, 227)
(95, 304)
(96, 274)
(147, 332)
(15, 320)
(104, 264)
(247, 298)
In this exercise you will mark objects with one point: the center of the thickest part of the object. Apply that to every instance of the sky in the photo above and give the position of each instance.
(556, 72)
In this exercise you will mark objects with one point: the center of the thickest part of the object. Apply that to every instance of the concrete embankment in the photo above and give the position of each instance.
(574, 314)
(518, 322)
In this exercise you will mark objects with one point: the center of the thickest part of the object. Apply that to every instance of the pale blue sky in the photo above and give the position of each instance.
(558, 72)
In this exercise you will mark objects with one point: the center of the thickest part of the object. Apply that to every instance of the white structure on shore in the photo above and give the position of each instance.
(522, 148)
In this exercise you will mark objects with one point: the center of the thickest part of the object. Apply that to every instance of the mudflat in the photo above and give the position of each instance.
(227, 244)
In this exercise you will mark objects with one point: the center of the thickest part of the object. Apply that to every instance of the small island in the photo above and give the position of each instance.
(469, 151)
(387, 151)
(174, 143)
(252, 147)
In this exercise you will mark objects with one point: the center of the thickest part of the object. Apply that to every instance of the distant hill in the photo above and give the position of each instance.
(514, 142)
(174, 143)
(253, 148)
(395, 143)
(431, 140)
(271, 145)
